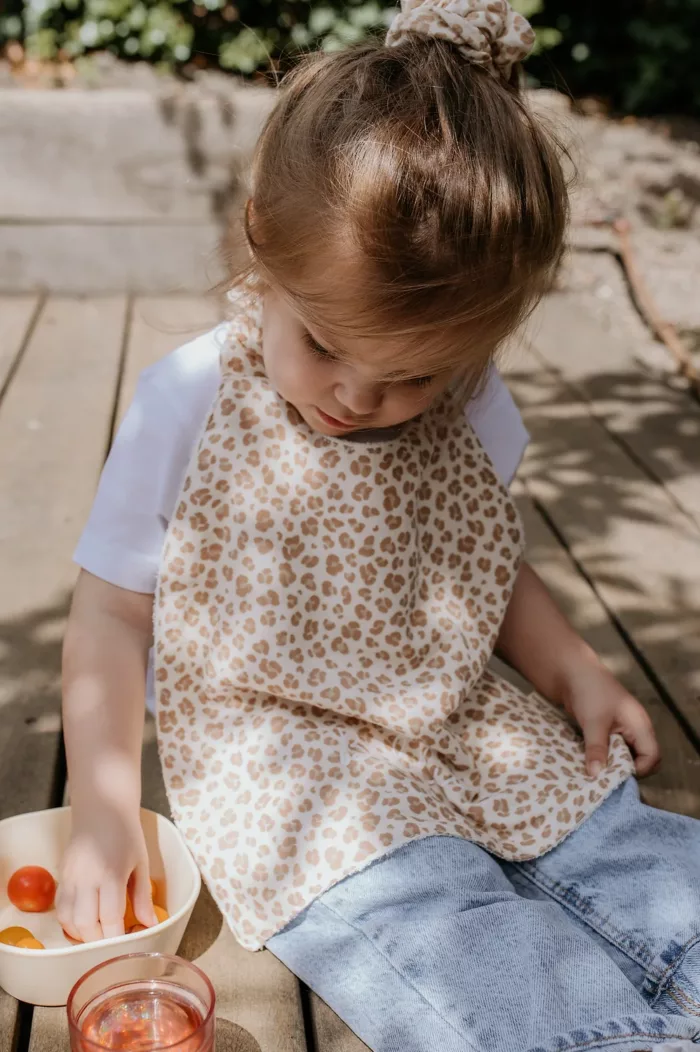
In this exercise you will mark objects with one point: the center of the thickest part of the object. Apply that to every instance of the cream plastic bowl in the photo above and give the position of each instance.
(45, 977)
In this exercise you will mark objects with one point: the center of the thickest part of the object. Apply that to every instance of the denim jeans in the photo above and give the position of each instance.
(440, 947)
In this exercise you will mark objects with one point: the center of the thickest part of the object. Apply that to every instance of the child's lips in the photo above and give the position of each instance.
(333, 421)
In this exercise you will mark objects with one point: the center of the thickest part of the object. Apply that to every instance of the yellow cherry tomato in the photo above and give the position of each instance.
(130, 918)
(31, 944)
(11, 936)
(161, 913)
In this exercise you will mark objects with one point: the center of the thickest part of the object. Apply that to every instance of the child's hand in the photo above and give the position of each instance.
(601, 706)
(104, 850)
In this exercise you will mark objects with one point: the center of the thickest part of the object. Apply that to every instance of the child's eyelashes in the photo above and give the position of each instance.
(322, 352)
(316, 347)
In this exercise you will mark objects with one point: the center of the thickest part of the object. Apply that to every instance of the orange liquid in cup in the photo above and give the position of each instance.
(153, 1003)
(144, 1017)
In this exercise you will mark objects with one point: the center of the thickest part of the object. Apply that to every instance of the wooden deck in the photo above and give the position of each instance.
(610, 492)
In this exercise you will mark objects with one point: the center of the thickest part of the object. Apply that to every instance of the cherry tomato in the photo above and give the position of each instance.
(11, 936)
(31, 944)
(32, 889)
(130, 918)
(136, 928)
(161, 914)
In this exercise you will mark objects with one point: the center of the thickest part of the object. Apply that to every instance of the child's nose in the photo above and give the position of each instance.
(359, 398)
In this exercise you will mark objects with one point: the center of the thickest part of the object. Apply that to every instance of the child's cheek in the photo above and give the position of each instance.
(285, 370)
(411, 401)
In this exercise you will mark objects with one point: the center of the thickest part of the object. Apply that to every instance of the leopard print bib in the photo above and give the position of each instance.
(324, 619)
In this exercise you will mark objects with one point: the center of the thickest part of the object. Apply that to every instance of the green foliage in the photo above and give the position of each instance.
(640, 55)
(11, 21)
(241, 36)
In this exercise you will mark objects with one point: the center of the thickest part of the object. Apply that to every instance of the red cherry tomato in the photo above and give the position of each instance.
(31, 889)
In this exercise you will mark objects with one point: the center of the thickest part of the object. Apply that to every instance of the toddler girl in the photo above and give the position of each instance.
(444, 860)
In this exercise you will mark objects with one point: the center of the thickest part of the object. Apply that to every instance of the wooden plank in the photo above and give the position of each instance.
(639, 550)
(159, 324)
(330, 1032)
(53, 432)
(10, 1022)
(16, 316)
(676, 786)
(53, 429)
(659, 424)
(54, 423)
(258, 999)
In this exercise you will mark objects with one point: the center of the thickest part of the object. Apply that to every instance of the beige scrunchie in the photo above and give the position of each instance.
(489, 33)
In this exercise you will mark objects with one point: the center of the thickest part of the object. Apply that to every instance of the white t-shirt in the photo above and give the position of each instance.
(123, 538)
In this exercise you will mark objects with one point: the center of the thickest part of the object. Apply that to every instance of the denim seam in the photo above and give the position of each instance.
(596, 1042)
(568, 900)
(607, 931)
(676, 962)
(398, 971)
(683, 1000)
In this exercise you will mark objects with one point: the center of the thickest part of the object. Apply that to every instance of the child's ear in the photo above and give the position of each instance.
(250, 220)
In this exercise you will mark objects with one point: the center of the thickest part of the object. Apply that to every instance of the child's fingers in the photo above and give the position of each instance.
(86, 914)
(642, 740)
(596, 736)
(65, 900)
(141, 895)
(112, 896)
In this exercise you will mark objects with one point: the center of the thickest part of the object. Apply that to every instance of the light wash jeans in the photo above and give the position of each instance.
(439, 947)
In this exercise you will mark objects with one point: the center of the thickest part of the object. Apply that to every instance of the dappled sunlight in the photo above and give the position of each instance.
(30, 706)
(570, 448)
(641, 551)
(30, 652)
(509, 747)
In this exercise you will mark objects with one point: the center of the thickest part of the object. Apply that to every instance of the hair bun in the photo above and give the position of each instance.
(488, 33)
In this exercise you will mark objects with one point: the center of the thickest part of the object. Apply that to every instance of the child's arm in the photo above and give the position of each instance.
(104, 672)
(538, 641)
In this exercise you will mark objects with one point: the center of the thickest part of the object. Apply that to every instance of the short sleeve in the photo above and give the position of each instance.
(499, 427)
(140, 483)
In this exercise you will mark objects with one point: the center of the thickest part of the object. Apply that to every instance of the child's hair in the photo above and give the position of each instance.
(404, 191)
